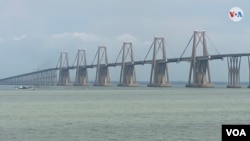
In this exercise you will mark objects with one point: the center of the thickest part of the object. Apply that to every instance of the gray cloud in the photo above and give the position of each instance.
(78, 35)
(18, 38)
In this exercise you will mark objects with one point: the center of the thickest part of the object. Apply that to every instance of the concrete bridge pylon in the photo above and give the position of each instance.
(199, 73)
(234, 71)
(159, 70)
(81, 78)
(127, 75)
(64, 75)
(102, 70)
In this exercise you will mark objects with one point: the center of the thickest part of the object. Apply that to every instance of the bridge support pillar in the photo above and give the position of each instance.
(249, 70)
(47, 78)
(81, 70)
(200, 78)
(64, 75)
(199, 68)
(234, 71)
(81, 77)
(127, 75)
(102, 71)
(52, 78)
(159, 70)
(159, 76)
(64, 78)
(128, 78)
(102, 78)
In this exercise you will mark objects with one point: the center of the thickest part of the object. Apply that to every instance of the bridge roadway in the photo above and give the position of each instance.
(170, 60)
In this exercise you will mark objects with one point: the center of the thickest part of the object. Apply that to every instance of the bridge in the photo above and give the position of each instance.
(199, 72)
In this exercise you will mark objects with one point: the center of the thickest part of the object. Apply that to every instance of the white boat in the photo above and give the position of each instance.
(23, 87)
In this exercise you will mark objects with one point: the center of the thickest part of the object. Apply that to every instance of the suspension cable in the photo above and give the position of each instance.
(213, 44)
(57, 66)
(128, 51)
(186, 46)
(159, 47)
(200, 40)
(148, 51)
(95, 57)
(75, 59)
(59, 60)
(118, 55)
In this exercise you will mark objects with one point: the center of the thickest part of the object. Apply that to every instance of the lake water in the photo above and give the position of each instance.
(120, 114)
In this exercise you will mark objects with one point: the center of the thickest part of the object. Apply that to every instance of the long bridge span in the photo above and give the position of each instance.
(199, 73)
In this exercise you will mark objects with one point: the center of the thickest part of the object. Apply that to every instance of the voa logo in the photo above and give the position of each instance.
(236, 14)
(236, 132)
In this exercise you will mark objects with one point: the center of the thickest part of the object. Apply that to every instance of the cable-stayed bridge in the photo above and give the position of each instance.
(199, 72)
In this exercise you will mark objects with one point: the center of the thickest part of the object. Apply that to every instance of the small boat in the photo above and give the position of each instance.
(23, 87)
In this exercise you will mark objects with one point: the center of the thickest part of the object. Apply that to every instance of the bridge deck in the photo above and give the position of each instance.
(170, 60)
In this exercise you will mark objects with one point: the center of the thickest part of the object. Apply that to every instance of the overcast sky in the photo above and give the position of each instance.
(33, 33)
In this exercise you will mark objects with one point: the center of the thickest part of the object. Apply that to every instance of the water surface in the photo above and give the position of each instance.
(120, 114)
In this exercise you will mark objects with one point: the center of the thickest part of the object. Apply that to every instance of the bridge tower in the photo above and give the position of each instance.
(127, 75)
(64, 76)
(81, 78)
(199, 68)
(159, 69)
(234, 71)
(102, 71)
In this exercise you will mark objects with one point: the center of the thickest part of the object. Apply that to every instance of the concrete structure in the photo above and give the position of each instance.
(102, 70)
(127, 75)
(44, 77)
(234, 71)
(81, 78)
(64, 76)
(159, 70)
(199, 74)
(199, 69)
(48, 78)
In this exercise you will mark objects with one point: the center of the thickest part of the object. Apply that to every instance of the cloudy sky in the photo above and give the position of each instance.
(33, 33)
